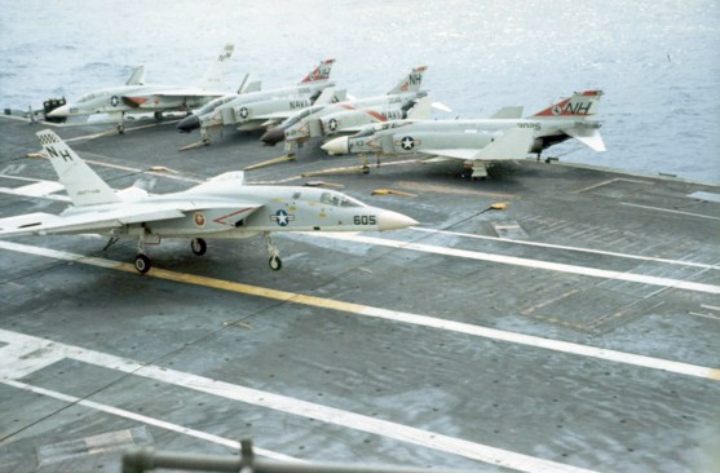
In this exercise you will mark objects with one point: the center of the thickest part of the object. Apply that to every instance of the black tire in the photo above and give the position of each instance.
(275, 263)
(142, 264)
(198, 246)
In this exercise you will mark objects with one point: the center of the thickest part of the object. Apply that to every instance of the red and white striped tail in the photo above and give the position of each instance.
(580, 105)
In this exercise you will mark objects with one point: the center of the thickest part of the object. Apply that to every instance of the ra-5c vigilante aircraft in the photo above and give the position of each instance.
(466, 138)
(260, 109)
(222, 207)
(137, 97)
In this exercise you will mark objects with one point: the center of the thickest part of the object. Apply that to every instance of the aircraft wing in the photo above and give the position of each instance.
(41, 223)
(508, 112)
(457, 153)
(590, 137)
(91, 222)
(137, 100)
(281, 115)
(513, 144)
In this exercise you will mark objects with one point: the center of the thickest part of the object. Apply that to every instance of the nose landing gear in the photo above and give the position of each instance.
(275, 262)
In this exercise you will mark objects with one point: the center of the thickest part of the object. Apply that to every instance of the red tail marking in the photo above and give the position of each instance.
(320, 72)
(377, 115)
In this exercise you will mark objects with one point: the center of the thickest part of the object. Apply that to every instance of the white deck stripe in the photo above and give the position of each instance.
(525, 262)
(673, 211)
(115, 411)
(415, 319)
(330, 415)
(569, 248)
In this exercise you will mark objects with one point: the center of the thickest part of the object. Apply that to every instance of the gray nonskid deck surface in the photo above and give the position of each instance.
(568, 407)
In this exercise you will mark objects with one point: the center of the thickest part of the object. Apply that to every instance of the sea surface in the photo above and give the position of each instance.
(658, 61)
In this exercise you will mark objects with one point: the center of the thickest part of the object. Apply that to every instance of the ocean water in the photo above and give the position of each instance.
(658, 61)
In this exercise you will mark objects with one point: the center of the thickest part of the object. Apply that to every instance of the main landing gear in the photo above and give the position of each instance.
(198, 246)
(121, 124)
(275, 262)
(142, 261)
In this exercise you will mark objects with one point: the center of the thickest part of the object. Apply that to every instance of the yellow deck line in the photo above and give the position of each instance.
(381, 313)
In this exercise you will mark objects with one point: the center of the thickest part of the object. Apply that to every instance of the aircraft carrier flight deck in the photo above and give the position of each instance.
(549, 318)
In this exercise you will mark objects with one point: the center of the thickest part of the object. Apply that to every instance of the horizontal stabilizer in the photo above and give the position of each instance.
(441, 106)
(513, 144)
(590, 137)
(508, 112)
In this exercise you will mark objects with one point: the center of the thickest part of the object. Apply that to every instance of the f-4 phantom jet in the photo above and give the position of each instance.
(222, 207)
(309, 122)
(467, 139)
(137, 97)
(260, 109)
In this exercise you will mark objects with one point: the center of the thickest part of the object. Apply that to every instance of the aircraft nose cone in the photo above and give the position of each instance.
(389, 220)
(60, 112)
(273, 136)
(188, 124)
(337, 145)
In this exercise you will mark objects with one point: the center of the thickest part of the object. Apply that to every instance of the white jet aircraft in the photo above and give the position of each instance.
(222, 207)
(466, 138)
(137, 97)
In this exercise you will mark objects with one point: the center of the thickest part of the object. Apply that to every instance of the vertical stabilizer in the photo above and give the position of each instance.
(410, 83)
(580, 105)
(137, 77)
(82, 184)
(320, 73)
(214, 77)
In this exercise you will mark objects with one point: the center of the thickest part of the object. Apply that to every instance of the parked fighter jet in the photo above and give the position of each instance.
(137, 97)
(258, 110)
(308, 123)
(222, 207)
(462, 139)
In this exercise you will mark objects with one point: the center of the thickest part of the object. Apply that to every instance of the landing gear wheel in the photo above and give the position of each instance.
(121, 129)
(198, 246)
(142, 263)
(275, 263)
(158, 116)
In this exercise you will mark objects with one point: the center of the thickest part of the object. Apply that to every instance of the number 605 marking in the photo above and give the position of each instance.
(364, 220)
